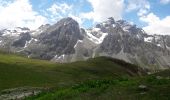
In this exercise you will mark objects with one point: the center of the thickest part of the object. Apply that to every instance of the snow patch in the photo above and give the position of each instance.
(79, 41)
(168, 47)
(19, 30)
(158, 45)
(113, 25)
(104, 24)
(35, 40)
(65, 23)
(28, 42)
(138, 36)
(96, 29)
(102, 37)
(15, 31)
(157, 38)
(94, 38)
(148, 39)
(61, 57)
(0, 41)
(126, 28)
(56, 56)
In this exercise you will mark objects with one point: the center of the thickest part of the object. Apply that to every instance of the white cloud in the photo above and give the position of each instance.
(58, 11)
(19, 13)
(59, 8)
(103, 9)
(142, 12)
(137, 5)
(141, 6)
(156, 25)
(89, 16)
(165, 1)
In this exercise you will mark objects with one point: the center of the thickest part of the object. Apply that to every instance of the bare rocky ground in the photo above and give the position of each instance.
(19, 93)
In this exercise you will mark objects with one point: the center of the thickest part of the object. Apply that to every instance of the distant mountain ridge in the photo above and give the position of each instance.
(65, 41)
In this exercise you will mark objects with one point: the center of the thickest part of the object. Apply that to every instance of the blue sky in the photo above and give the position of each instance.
(152, 15)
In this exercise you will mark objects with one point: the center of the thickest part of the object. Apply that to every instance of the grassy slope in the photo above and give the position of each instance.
(18, 71)
(122, 88)
(96, 79)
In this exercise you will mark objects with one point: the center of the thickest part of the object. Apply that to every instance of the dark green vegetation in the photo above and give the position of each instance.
(112, 89)
(95, 79)
(16, 71)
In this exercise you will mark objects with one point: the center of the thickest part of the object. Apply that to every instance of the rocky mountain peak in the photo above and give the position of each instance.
(44, 26)
(66, 21)
(58, 39)
(110, 20)
(66, 42)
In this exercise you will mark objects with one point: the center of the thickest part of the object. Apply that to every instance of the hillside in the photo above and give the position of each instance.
(98, 78)
(16, 71)
(145, 88)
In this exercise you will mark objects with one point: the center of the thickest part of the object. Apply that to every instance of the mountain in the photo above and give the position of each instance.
(65, 41)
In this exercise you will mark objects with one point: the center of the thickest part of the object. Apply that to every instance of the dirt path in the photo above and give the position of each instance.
(19, 93)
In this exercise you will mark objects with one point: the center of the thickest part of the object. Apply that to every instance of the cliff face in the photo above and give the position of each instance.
(65, 41)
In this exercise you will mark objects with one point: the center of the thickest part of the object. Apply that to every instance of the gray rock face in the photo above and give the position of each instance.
(23, 38)
(121, 39)
(62, 36)
(66, 42)
(58, 39)
(12, 40)
(129, 43)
